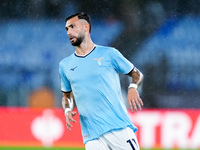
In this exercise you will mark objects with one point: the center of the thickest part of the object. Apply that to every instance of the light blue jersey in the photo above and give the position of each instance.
(95, 83)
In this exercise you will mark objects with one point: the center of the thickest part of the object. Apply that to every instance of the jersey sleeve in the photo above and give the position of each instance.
(120, 63)
(65, 84)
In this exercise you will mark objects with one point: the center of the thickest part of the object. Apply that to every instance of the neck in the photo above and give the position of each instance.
(85, 48)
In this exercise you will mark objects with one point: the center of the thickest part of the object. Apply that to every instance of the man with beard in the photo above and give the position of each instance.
(92, 74)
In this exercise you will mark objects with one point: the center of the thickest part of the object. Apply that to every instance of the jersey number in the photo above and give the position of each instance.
(131, 144)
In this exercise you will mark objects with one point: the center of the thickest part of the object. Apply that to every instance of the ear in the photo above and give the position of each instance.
(86, 27)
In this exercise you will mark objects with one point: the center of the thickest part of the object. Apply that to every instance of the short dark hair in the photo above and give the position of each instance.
(81, 15)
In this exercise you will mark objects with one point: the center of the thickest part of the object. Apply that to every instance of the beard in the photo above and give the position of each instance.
(78, 40)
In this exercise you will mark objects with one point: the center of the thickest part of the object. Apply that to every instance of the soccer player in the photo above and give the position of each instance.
(91, 73)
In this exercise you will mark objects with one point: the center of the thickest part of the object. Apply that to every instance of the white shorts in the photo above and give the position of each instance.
(123, 139)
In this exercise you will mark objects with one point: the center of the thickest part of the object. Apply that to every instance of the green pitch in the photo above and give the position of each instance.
(38, 148)
(67, 148)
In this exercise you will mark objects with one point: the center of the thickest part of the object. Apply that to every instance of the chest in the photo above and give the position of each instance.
(83, 70)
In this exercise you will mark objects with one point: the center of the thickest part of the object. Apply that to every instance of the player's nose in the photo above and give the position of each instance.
(68, 32)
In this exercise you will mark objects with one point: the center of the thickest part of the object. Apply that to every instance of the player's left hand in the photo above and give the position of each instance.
(134, 100)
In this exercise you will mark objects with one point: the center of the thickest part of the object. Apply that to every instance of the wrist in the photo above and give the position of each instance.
(133, 85)
(67, 111)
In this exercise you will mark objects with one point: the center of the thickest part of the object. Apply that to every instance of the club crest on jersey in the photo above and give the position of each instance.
(98, 60)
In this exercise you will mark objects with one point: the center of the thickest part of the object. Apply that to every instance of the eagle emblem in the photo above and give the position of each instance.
(98, 60)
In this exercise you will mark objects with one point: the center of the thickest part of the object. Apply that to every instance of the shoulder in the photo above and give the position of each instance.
(106, 49)
(66, 60)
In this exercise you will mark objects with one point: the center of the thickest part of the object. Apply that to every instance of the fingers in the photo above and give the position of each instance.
(69, 119)
(134, 100)
(139, 103)
(69, 126)
(73, 113)
(132, 105)
(135, 103)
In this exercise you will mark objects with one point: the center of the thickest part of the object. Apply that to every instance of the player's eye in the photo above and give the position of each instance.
(72, 26)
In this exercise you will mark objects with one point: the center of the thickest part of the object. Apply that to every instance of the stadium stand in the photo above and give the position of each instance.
(31, 51)
(170, 58)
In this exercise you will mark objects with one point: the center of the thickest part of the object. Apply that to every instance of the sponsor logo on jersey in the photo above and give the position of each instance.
(72, 69)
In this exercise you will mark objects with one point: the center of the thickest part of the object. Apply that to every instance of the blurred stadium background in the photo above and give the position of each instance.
(160, 37)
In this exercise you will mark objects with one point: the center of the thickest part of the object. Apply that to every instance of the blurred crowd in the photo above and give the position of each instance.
(158, 36)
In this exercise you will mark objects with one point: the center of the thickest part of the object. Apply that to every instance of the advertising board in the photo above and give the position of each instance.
(159, 128)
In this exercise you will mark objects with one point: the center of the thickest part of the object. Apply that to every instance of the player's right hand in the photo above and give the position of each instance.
(69, 118)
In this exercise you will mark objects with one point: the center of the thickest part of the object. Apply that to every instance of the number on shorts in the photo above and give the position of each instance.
(131, 144)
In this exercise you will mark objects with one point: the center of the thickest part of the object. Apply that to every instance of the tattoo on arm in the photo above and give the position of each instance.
(137, 77)
(65, 103)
